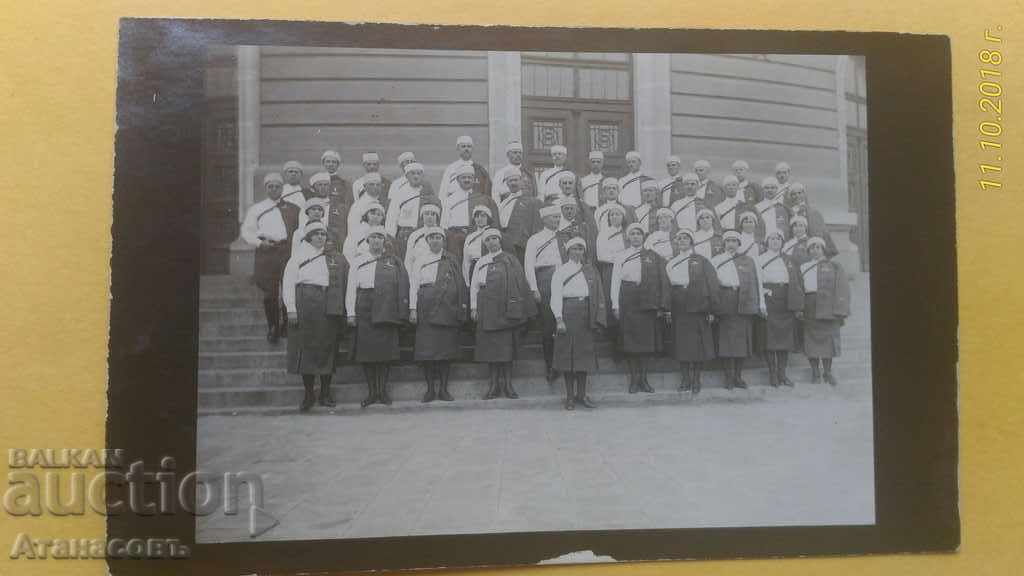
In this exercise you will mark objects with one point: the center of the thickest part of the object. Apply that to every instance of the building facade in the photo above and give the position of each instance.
(268, 105)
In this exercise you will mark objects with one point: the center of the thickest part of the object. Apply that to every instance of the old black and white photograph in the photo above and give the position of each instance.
(474, 292)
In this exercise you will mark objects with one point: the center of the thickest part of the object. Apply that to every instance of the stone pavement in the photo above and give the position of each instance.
(764, 457)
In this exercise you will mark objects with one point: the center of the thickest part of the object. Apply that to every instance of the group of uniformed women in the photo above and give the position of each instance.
(660, 279)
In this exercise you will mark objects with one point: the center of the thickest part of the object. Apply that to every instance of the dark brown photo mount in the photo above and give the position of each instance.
(152, 393)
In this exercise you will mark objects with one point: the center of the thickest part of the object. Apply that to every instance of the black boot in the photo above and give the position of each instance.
(309, 399)
(644, 385)
(443, 370)
(383, 375)
(570, 390)
(506, 376)
(770, 359)
(371, 385)
(493, 391)
(727, 364)
(581, 390)
(282, 321)
(815, 371)
(695, 378)
(428, 373)
(827, 364)
(738, 374)
(685, 377)
(548, 345)
(326, 398)
(270, 311)
(633, 377)
(783, 359)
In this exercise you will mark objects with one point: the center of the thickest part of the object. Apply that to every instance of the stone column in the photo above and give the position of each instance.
(652, 109)
(504, 104)
(241, 260)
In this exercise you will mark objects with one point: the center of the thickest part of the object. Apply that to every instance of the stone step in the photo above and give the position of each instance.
(248, 301)
(532, 386)
(238, 344)
(277, 357)
(222, 378)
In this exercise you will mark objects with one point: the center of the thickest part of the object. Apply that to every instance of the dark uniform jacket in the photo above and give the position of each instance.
(748, 299)
(702, 292)
(522, 223)
(391, 287)
(833, 297)
(337, 271)
(816, 227)
(452, 301)
(597, 305)
(505, 301)
(653, 281)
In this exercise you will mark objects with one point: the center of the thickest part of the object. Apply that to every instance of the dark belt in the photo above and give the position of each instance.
(575, 298)
(428, 285)
(404, 228)
(630, 283)
(808, 293)
(367, 290)
(730, 287)
(775, 285)
(682, 286)
(317, 286)
(539, 268)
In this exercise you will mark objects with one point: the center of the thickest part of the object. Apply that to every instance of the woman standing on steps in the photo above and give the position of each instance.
(693, 297)
(500, 303)
(578, 304)
(377, 303)
(638, 282)
(826, 299)
(438, 299)
(313, 290)
(740, 298)
(782, 300)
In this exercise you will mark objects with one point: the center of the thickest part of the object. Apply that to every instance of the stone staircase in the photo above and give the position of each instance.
(240, 372)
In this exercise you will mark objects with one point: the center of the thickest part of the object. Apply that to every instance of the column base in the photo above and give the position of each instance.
(839, 226)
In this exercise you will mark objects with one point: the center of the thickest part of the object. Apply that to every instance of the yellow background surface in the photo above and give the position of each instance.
(57, 87)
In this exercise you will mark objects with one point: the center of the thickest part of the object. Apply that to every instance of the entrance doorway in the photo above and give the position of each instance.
(857, 177)
(582, 101)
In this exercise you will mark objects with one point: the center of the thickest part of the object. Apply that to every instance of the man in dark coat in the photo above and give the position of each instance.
(518, 215)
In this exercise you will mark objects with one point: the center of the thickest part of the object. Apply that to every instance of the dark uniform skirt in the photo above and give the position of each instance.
(545, 318)
(778, 331)
(639, 330)
(693, 339)
(434, 342)
(735, 331)
(313, 346)
(574, 350)
(821, 337)
(605, 270)
(268, 266)
(372, 342)
(496, 345)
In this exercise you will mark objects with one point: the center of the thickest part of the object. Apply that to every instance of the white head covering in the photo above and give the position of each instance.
(691, 177)
(769, 180)
(664, 212)
(559, 148)
(799, 219)
(464, 140)
(411, 166)
(576, 241)
(775, 232)
(730, 178)
(650, 185)
(315, 202)
(482, 208)
(741, 164)
(291, 164)
(371, 178)
(632, 154)
(635, 226)
(731, 235)
(610, 182)
(514, 145)
(781, 166)
(686, 231)
(273, 177)
(406, 157)
(815, 240)
(490, 232)
(465, 169)
(567, 177)
(330, 154)
(673, 158)
(614, 207)
(319, 177)
(430, 208)
(701, 164)
(550, 211)
(313, 226)
(747, 216)
(596, 155)
(704, 211)
(369, 207)
(371, 157)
